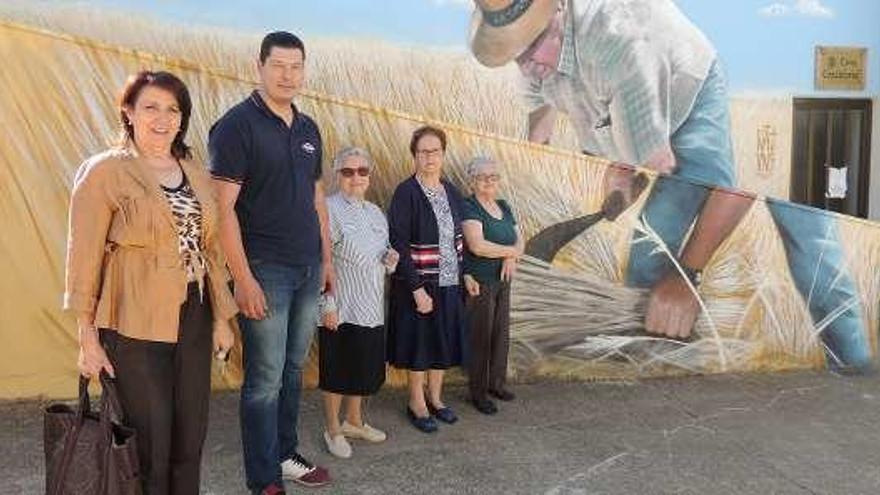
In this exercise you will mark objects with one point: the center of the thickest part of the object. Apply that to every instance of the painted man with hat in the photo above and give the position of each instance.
(642, 85)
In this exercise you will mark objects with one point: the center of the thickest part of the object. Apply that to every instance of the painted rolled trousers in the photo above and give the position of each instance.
(704, 156)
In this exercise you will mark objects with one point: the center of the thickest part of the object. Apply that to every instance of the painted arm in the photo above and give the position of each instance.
(721, 214)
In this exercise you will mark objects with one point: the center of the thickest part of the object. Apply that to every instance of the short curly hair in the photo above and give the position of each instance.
(423, 131)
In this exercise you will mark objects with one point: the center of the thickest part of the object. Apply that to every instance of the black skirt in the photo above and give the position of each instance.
(351, 359)
(433, 341)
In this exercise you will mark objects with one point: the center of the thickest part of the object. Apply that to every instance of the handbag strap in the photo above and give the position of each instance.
(72, 436)
(111, 408)
(85, 404)
(111, 412)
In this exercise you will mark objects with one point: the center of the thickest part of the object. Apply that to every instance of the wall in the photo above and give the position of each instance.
(770, 118)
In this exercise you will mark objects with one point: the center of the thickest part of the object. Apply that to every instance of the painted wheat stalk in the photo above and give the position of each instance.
(588, 319)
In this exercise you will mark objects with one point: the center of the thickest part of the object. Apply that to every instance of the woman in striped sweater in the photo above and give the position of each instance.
(351, 339)
(426, 315)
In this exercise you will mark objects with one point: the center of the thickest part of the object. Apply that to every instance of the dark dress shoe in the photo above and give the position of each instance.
(502, 394)
(445, 414)
(485, 406)
(424, 424)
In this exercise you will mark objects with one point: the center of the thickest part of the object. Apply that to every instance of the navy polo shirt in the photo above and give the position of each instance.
(277, 167)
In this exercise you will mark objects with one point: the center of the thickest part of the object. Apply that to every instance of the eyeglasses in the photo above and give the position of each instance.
(488, 177)
(433, 152)
(348, 173)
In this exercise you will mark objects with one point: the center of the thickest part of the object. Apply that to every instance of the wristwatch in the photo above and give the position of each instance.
(695, 276)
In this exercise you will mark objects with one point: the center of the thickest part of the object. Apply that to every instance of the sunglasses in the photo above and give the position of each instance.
(348, 173)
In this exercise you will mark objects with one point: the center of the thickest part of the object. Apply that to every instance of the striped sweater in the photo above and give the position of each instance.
(426, 257)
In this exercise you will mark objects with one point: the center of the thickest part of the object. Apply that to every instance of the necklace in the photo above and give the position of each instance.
(431, 190)
(168, 176)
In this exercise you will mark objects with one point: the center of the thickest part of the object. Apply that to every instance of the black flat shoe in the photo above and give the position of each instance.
(503, 394)
(445, 414)
(485, 406)
(424, 424)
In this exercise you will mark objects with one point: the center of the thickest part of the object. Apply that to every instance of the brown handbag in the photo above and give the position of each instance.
(87, 452)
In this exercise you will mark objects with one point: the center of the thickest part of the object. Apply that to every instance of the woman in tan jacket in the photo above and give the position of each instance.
(147, 279)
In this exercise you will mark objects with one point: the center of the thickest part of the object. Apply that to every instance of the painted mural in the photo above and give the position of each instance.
(611, 122)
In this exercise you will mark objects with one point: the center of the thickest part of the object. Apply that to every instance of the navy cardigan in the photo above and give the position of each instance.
(414, 234)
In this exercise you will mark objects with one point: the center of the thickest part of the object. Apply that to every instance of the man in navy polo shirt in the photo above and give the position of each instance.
(265, 156)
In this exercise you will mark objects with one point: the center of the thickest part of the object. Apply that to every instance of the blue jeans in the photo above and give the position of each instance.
(274, 352)
(704, 157)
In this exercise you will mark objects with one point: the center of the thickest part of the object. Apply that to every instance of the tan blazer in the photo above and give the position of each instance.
(123, 260)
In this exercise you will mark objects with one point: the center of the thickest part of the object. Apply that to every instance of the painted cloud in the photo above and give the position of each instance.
(807, 8)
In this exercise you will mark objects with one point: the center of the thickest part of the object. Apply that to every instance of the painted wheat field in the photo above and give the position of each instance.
(573, 318)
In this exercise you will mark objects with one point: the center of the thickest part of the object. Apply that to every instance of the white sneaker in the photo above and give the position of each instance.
(365, 432)
(298, 469)
(337, 445)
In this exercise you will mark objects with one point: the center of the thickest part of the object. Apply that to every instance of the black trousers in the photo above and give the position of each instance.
(164, 389)
(488, 316)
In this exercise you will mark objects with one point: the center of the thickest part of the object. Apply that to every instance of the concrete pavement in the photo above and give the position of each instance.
(803, 433)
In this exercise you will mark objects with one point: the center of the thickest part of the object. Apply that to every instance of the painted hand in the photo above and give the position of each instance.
(622, 186)
(672, 308)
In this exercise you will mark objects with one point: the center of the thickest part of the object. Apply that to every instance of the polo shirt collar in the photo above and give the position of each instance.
(257, 99)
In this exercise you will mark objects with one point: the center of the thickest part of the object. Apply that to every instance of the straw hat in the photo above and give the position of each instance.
(502, 29)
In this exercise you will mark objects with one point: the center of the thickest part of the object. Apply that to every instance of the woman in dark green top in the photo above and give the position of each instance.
(494, 243)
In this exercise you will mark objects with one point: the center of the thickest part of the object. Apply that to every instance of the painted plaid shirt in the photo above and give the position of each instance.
(629, 73)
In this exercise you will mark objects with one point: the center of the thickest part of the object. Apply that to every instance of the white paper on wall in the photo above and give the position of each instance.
(836, 183)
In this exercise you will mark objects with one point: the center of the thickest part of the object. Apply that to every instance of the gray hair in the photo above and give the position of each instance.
(348, 152)
(476, 164)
